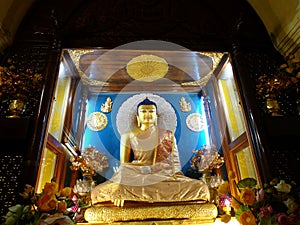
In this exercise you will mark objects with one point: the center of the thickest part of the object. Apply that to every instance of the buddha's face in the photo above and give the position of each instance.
(147, 114)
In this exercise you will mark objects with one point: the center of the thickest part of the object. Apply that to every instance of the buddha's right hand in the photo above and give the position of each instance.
(118, 202)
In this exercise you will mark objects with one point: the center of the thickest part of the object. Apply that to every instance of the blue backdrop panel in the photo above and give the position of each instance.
(108, 139)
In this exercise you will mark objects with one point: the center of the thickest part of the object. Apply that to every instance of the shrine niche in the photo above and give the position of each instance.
(110, 84)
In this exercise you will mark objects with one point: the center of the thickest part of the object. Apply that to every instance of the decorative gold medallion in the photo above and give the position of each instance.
(195, 122)
(147, 68)
(97, 121)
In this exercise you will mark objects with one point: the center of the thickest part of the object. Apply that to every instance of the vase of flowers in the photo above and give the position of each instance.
(52, 206)
(276, 203)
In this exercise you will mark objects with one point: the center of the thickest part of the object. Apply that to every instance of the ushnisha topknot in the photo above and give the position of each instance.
(146, 101)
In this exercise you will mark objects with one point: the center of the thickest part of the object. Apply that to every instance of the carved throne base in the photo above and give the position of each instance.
(193, 213)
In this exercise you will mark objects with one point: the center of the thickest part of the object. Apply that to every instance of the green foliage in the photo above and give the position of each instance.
(247, 182)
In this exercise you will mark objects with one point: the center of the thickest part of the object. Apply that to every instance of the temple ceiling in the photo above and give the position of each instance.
(115, 69)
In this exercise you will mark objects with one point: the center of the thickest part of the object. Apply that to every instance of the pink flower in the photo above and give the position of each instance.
(271, 210)
(260, 195)
(74, 208)
(282, 219)
(75, 201)
(293, 219)
(264, 211)
(225, 199)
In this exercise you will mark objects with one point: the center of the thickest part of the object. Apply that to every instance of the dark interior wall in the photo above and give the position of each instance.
(197, 25)
(218, 25)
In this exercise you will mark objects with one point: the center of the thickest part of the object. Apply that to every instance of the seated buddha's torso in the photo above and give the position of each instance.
(143, 146)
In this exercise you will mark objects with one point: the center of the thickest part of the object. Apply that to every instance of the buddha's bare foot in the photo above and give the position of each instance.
(118, 202)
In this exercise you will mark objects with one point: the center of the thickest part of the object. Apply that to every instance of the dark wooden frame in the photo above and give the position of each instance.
(60, 165)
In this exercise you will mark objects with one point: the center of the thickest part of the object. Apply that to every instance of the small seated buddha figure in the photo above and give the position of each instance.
(106, 107)
(150, 170)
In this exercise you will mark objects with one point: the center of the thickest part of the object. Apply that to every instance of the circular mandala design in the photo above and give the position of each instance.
(126, 116)
(195, 122)
(97, 121)
(147, 68)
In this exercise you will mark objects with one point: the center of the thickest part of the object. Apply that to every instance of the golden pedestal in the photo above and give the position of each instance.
(153, 214)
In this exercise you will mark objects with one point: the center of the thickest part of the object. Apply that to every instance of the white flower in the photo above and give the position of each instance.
(81, 186)
(283, 187)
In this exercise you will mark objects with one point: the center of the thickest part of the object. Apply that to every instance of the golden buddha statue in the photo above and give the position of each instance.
(150, 170)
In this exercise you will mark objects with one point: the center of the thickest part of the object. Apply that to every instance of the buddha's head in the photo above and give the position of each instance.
(147, 113)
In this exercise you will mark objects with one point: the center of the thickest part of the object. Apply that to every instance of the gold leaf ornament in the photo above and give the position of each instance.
(147, 68)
